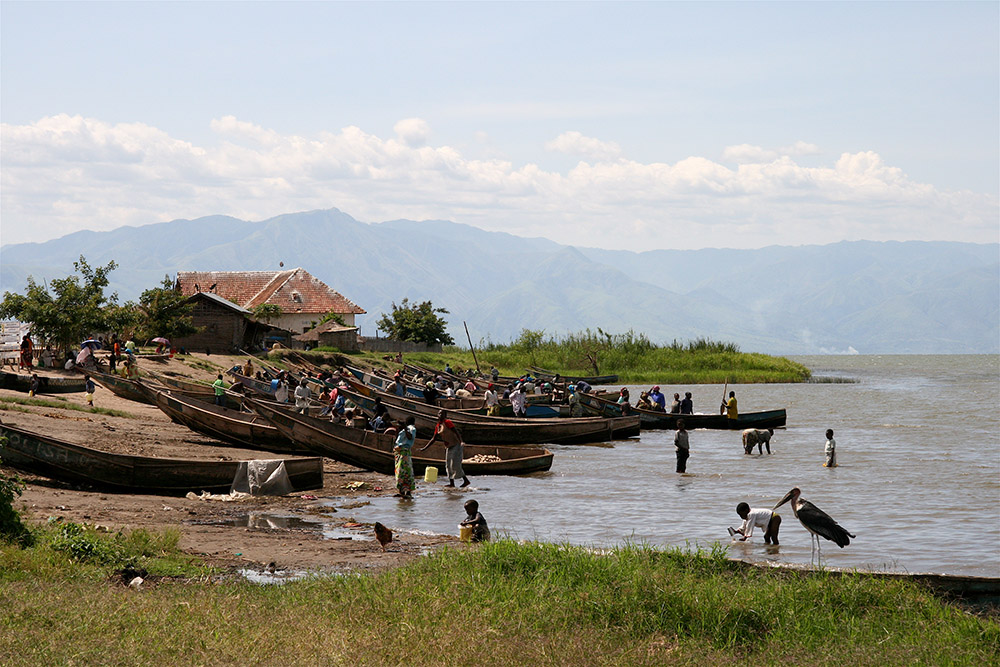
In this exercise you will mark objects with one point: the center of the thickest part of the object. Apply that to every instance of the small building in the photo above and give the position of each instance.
(331, 334)
(303, 298)
(223, 326)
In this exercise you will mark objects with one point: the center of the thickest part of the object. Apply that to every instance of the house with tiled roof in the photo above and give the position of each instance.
(303, 298)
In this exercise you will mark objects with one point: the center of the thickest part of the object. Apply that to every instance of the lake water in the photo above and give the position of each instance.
(918, 443)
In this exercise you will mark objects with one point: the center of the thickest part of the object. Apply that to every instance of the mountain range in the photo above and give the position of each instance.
(861, 296)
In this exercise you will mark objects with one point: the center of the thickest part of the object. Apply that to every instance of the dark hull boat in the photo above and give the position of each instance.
(651, 419)
(373, 451)
(76, 464)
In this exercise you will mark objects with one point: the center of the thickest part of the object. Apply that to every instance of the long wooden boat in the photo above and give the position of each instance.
(49, 383)
(484, 430)
(536, 406)
(373, 451)
(259, 387)
(140, 391)
(123, 387)
(69, 462)
(174, 382)
(650, 419)
(589, 379)
(243, 429)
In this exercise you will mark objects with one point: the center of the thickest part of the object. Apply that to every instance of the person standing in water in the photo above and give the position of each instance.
(831, 450)
(452, 440)
(681, 446)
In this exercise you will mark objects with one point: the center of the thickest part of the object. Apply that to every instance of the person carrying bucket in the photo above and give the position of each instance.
(452, 439)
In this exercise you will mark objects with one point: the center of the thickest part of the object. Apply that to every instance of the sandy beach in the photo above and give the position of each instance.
(217, 530)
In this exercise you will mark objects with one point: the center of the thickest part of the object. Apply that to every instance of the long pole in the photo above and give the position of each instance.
(722, 410)
(470, 345)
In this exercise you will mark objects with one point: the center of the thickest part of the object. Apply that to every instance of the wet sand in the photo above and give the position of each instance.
(219, 531)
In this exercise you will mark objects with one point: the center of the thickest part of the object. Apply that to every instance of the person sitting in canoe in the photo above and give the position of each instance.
(644, 403)
(658, 400)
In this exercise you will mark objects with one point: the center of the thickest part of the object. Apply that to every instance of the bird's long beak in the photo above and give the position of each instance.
(788, 496)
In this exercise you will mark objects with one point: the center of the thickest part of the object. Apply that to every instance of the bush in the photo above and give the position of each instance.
(12, 528)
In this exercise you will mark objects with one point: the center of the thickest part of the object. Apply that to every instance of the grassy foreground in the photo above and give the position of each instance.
(500, 603)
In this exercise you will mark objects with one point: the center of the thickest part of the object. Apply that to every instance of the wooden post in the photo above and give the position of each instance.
(470, 346)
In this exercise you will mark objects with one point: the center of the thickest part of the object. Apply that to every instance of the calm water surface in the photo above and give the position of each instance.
(918, 443)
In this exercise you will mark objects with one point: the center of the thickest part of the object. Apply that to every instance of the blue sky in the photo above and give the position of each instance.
(616, 125)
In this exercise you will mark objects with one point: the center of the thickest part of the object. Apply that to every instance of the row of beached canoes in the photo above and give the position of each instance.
(496, 445)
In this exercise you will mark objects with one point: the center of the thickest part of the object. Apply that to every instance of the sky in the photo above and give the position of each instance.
(639, 126)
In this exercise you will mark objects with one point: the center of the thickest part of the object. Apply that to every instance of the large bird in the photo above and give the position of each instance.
(816, 521)
(382, 534)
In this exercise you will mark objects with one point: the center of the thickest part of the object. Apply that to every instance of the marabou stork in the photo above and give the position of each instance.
(816, 521)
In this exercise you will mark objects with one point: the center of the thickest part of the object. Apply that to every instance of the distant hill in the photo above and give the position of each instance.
(878, 298)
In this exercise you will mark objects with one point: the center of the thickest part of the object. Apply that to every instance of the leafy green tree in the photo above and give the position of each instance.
(266, 312)
(75, 308)
(529, 341)
(332, 316)
(163, 312)
(419, 323)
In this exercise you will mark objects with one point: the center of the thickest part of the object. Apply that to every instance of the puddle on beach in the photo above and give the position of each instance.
(330, 530)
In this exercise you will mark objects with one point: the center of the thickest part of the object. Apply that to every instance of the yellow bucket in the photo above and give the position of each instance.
(465, 533)
(430, 474)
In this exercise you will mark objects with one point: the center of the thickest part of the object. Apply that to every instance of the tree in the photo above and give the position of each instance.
(163, 312)
(267, 312)
(73, 310)
(418, 323)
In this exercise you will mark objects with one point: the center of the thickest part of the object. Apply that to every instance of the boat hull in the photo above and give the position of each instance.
(373, 451)
(77, 464)
(668, 420)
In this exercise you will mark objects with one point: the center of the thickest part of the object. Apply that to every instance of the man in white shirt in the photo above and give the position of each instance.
(302, 395)
(517, 401)
(762, 518)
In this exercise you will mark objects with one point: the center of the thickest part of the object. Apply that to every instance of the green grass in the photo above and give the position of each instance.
(500, 603)
(10, 403)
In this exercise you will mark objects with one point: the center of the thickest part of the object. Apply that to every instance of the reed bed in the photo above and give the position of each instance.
(633, 357)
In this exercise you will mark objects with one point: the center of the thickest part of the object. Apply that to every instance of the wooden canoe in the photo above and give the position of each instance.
(49, 383)
(589, 379)
(537, 406)
(123, 387)
(76, 464)
(484, 430)
(373, 451)
(243, 429)
(649, 419)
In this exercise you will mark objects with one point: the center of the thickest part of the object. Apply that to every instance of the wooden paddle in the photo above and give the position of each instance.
(722, 410)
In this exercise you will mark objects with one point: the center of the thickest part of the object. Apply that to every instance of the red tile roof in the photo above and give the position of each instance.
(296, 291)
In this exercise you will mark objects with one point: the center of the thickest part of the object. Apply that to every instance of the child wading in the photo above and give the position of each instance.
(760, 518)
(831, 450)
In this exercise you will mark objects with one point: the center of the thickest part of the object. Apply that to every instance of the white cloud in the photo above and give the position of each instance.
(412, 131)
(575, 143)
(65, 173)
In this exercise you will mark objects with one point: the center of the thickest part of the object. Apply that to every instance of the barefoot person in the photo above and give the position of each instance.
(452, 439)
(760, 518)
(404, 463)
